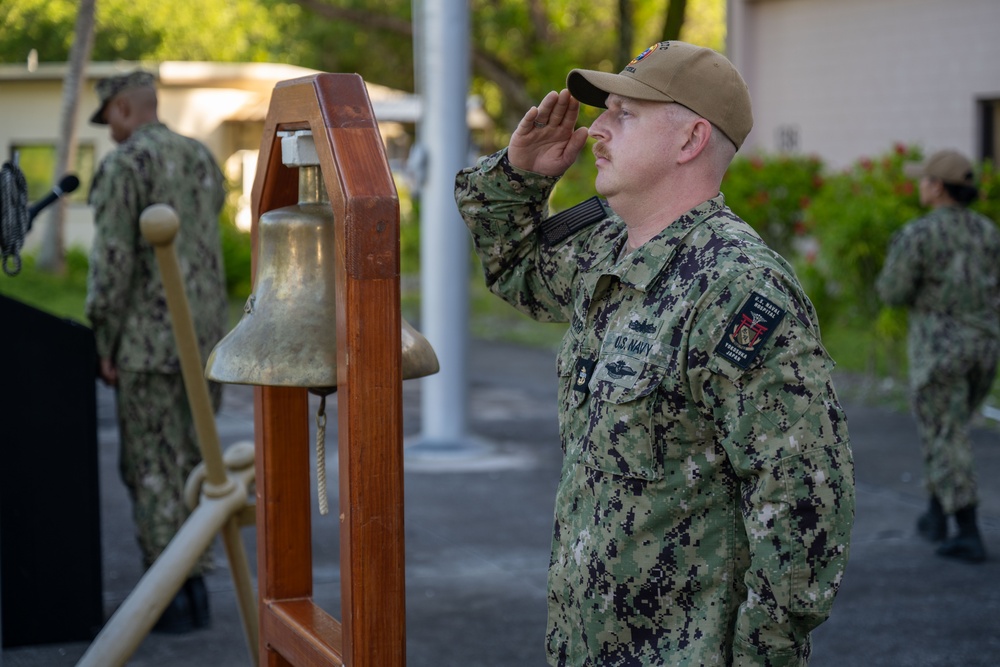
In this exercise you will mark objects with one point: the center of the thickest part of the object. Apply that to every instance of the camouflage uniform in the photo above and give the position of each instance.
(704, 509)
(127, 307)
(944, 268)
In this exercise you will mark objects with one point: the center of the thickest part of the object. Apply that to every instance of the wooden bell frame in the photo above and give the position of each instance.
(293, 629)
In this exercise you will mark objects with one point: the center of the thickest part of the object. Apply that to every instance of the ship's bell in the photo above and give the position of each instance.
(287, 335)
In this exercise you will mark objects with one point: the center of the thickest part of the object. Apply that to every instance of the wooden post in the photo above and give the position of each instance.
(293, 629)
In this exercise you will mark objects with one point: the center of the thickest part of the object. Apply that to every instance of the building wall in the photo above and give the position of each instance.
(847, 78)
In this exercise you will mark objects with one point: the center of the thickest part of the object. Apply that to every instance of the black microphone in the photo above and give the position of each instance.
(67, 184)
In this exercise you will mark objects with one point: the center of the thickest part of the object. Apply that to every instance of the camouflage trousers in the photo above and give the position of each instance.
(159, 449)
(943, 408)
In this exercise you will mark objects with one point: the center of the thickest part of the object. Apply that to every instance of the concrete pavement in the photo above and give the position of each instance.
(478, 529)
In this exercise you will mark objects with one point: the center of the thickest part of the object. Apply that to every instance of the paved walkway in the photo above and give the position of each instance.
(477, 539)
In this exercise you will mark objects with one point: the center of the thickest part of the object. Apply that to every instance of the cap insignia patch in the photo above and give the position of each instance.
(644, 54)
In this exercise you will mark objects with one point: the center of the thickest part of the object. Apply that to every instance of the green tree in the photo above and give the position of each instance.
(675, 19)
(520, 48)
(236, 30)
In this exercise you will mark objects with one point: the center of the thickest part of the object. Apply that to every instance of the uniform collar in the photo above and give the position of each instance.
(143, 129)
(641, 267)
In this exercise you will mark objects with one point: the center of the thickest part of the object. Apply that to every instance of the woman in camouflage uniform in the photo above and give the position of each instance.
(945, 269)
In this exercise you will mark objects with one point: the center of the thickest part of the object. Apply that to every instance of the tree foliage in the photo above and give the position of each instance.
(675, 19)
(236, 30)
(521, 49)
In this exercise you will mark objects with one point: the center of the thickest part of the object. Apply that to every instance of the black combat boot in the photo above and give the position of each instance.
(176, 618)
(933, 524)
(198, 598)
(967, 545)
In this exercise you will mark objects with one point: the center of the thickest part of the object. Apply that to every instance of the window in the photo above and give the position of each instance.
(989, 129)
(37, 162)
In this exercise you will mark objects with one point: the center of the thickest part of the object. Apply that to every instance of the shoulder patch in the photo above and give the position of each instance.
(745, 335)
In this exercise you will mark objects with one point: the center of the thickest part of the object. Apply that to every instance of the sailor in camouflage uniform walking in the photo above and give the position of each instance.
(944, 269)
(705, 505)
(127, 307)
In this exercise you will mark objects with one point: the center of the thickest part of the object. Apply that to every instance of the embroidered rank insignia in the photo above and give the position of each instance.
(745, 335)
(644, 327)
(581, 374)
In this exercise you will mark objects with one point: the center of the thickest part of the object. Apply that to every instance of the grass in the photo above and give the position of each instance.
(62, 296)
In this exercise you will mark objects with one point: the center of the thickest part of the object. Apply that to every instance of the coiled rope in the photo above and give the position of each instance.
(14, 220)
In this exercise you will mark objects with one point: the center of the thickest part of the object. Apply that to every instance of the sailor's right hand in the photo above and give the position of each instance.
(107, 370)
(547, 140)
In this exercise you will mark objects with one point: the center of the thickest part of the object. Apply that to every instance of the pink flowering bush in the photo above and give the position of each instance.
(771, 192)
(852, 220)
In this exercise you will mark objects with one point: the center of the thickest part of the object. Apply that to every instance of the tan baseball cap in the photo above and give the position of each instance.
(108, 87)
(701, 79)
(947, 166)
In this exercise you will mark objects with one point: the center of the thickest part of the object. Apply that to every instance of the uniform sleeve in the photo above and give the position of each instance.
(114, 197)
(781, 424)
(899, 281)
(503, 206)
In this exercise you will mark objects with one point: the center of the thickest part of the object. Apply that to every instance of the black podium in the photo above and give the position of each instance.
(50, 537)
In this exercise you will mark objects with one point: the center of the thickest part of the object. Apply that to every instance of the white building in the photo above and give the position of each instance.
(843, 79)
(221, 104)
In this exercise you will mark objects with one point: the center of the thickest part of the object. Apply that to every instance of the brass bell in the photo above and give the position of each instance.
(287, 335)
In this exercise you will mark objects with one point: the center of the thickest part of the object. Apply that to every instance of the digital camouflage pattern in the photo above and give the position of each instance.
(159, 451)
(944, 269)
(705, 505)
(126, 303)
(127, 307)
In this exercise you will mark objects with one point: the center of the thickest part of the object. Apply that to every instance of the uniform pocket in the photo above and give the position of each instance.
(623, 403)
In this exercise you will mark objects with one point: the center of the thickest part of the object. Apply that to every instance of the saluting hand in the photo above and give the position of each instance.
(547, 140)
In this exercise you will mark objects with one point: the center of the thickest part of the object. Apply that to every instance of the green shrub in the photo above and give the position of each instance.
(60, 295)
(236, 253)
(852, 219)
(770, 192)
(989, 191)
